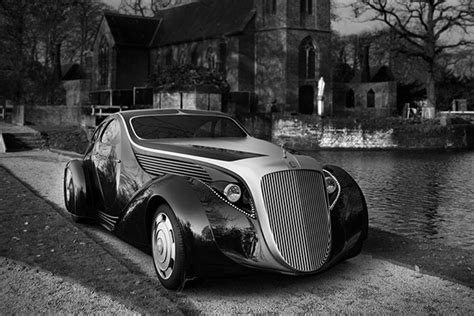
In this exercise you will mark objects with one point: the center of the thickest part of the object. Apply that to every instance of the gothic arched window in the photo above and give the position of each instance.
(306, 7)
(211, 58)
(350, 99)
(371, 99)
(270, 6)
(169, 57)
(194, 56)
(308, 59)
(157, 63)
(182, 57)
(222, 56)
(103, 62)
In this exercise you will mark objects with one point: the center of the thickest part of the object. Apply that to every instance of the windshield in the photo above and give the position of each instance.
(185, 126)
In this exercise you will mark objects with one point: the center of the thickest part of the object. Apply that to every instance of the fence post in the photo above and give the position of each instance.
(134, 92)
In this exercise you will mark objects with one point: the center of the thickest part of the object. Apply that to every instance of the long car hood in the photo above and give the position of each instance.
(229, 149)
(247, 155)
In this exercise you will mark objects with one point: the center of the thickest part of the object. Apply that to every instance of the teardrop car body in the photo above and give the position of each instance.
(202, 195)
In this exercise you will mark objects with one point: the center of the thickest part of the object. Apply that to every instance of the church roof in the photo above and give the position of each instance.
(131, 30)
(202, 20)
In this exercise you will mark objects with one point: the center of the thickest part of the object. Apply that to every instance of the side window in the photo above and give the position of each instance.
(204, 130)
(94, 138)
(109, 138)
(108, 134)
(227, 128)
(218, 128)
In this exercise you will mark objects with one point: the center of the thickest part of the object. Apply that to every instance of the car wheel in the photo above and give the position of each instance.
(70, 198)
(168, 248)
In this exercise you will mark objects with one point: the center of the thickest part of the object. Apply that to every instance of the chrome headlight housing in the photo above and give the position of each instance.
(333, 188)
(235, 194)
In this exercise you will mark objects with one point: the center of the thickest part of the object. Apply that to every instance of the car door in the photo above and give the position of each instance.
(106, 157)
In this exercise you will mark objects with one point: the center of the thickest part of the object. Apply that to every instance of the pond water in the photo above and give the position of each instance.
(422, 194)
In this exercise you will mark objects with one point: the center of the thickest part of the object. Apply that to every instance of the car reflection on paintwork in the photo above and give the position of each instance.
(203, 196)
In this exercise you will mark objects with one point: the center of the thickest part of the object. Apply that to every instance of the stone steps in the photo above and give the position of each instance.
(23, 141)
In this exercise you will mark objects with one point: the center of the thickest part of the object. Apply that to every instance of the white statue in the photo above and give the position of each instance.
(321, 85)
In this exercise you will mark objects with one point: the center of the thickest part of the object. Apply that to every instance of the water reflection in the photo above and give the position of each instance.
(418, 194)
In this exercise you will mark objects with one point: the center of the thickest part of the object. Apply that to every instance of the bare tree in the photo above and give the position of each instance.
(37, 37)
(86, 17)
(17, 46)
(427, 28)
(53, 23)
(139, 7)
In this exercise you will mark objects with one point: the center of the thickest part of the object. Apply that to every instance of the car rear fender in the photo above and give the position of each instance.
(80, 204)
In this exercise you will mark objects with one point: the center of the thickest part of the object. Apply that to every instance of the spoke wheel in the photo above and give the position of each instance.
(167, 248)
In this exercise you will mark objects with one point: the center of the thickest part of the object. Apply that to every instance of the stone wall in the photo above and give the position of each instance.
(77, 92)
(306, 132)
(259, 125)
(448, 117)
(18, 115)
(385, 99)
(188, 101)
(53, 115)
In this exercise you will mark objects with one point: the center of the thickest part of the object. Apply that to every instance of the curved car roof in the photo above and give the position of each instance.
(132, 113)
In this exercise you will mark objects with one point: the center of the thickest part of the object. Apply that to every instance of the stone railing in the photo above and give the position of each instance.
(449, 117)
(306, 132)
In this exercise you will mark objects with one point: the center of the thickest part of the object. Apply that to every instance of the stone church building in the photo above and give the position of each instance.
(273, 51)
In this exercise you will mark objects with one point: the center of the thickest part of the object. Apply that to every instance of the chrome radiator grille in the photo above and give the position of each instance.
(299, 217)
(161, 166)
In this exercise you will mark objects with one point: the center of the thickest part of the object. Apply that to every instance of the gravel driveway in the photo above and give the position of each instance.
(26, 290)
(361, 285)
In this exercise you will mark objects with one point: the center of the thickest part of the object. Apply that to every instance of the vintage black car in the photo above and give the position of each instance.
(201, 194)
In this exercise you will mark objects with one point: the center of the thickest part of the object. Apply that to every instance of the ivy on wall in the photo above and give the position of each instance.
(188, 77)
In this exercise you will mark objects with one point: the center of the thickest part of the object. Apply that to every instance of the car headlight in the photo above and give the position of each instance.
(333, 188)
(232, 192)
(235, 194)
(331, 184)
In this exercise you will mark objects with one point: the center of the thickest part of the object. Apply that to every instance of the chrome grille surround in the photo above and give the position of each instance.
(299, 217)
(160, 166)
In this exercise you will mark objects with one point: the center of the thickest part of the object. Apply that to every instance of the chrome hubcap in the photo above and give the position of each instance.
(69, 186)
(163, 245)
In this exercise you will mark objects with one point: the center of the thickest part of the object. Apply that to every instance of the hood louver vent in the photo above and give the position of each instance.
(162, 166)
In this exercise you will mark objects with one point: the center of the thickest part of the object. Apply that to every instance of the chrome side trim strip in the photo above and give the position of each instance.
(108, 221)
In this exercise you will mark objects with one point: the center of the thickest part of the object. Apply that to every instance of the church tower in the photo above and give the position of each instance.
(292, 52)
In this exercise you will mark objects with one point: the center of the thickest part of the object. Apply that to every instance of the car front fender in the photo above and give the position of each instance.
(204, 219)
(349, 217)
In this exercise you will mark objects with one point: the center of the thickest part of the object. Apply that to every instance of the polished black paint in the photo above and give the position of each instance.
(213, 228)
(80, 203)
(349, 218)
(214, 231)
(195, 213)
